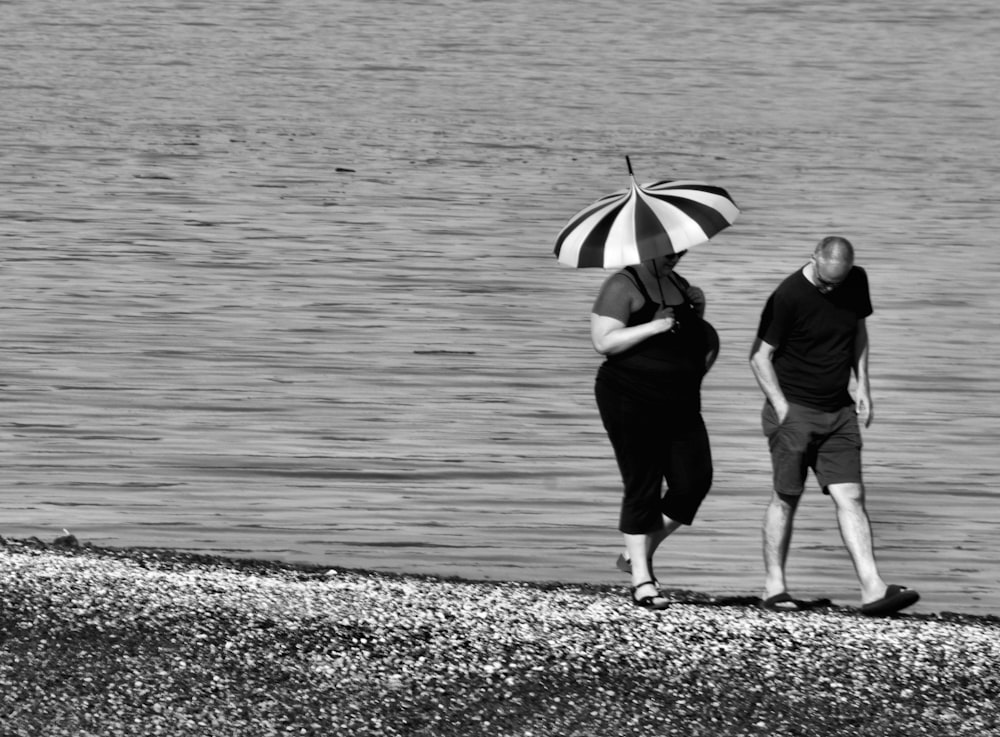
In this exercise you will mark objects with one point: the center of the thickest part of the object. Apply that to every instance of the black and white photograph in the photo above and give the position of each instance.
(499, 368)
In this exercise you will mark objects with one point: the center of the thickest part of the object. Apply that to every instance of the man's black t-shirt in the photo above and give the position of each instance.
(813, 334)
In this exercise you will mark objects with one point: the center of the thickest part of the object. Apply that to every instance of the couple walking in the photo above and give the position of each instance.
(810, 340)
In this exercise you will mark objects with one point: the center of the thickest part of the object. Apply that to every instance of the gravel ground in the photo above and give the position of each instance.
(150, 642)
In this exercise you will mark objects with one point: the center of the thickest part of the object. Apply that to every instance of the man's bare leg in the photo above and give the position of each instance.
(777, 534)
(856, 532)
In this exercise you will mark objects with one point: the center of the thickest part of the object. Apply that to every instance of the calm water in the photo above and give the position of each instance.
(277, 277)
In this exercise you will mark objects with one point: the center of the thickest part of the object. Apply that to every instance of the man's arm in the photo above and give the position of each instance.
(863, 401)
(761, 361)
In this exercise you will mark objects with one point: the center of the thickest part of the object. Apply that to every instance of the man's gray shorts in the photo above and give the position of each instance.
(827, 442)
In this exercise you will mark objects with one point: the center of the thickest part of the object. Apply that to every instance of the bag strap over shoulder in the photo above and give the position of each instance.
(678, 281)
(638, 283)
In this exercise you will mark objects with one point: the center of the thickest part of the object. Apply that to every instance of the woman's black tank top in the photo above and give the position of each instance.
(667, 367)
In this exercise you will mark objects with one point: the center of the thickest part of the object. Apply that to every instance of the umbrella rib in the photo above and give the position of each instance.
(649, 231)
(668, 184)
(708, 218)
(591, 252)
(581, 217)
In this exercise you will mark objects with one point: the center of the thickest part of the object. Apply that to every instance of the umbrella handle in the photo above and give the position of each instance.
(656, 271)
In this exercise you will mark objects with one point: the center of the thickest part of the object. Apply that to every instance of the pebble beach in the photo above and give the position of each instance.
(105, 641)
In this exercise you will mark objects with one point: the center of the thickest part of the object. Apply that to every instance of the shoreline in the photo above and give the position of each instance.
(136, 641)
(175, 557)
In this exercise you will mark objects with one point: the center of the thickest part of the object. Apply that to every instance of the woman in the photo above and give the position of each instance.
(649, 394)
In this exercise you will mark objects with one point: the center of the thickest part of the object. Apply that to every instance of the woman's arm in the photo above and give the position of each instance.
(610, 336)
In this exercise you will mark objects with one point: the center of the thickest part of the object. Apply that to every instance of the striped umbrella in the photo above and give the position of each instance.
(644, 222)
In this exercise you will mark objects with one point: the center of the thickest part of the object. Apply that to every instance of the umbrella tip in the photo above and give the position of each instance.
(629, 162)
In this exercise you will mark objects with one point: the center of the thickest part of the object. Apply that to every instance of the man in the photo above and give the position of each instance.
(811, 339)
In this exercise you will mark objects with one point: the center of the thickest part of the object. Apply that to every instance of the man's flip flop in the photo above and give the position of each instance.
(783, 602)
(896, 598)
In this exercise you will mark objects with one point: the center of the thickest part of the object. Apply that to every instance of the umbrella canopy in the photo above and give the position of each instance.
(644, 222)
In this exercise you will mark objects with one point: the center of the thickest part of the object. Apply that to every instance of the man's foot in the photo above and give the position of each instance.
(783, 602)
(895, 599)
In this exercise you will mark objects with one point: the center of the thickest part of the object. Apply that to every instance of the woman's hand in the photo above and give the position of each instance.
(696, 296)
(665, 315)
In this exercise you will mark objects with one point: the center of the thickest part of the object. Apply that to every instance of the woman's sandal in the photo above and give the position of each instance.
(648, 602)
